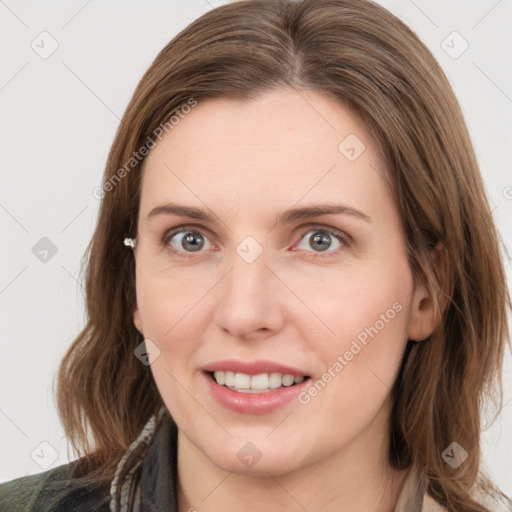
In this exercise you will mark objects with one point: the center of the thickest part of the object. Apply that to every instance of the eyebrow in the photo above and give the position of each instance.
(285, 217)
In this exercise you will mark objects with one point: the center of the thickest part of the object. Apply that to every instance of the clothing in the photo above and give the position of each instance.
(145, 481)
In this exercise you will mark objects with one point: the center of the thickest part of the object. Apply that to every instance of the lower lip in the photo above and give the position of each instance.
(254, 403)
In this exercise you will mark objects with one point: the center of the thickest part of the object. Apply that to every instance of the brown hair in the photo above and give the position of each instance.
(358, 53)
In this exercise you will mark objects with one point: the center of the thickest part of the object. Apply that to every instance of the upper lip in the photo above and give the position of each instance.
(253, 367)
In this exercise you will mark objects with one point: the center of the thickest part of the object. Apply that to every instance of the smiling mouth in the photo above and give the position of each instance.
(261, 383)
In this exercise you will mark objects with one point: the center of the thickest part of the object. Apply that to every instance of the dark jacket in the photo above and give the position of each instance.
(52, 490)
(149, 489)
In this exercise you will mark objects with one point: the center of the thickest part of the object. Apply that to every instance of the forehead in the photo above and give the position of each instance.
(283, 146)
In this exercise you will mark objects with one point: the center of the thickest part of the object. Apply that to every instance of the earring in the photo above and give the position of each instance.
(130, 242)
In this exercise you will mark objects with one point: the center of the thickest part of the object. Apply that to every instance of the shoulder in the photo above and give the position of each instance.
(54, 490)
(415, 497)
(496, 503)
(493, 501)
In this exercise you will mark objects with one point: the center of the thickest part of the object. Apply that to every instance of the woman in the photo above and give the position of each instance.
(295, 293)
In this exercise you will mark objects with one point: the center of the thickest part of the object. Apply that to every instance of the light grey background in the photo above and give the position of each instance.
(58, 119)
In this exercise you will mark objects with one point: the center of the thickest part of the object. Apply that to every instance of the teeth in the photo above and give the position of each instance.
(288, 380)
(242, 381)
(229, 378)
(275, 380)
(259, 381)
(247, 383)
(220, 378)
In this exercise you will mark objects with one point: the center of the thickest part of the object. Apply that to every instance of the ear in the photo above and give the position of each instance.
(422, 321)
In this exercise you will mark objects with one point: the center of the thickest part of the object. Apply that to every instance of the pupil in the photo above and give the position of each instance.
(319, 238)
(192, 240)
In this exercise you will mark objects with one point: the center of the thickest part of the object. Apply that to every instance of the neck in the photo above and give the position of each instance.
(356, 478)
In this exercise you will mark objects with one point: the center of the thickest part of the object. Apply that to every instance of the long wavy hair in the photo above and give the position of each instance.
(360, 54)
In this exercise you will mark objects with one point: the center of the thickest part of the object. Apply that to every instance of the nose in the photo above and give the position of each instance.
(250, 300)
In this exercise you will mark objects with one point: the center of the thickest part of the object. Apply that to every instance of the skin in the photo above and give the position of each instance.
(245, 162)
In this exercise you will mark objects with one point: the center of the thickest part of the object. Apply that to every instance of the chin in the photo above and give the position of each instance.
(255, 458)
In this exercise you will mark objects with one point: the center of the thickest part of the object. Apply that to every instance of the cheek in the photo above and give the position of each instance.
(365, 315)
(359, 330)
(169, 296)
(173, 316)
(342, 302)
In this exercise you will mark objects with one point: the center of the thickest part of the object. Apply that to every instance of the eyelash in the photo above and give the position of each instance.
(342, 237)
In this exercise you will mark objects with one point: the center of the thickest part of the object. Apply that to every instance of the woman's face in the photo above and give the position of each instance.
(261, 283)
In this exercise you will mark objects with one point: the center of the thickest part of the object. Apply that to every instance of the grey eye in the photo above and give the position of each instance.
(188, 241)
(319, 240)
